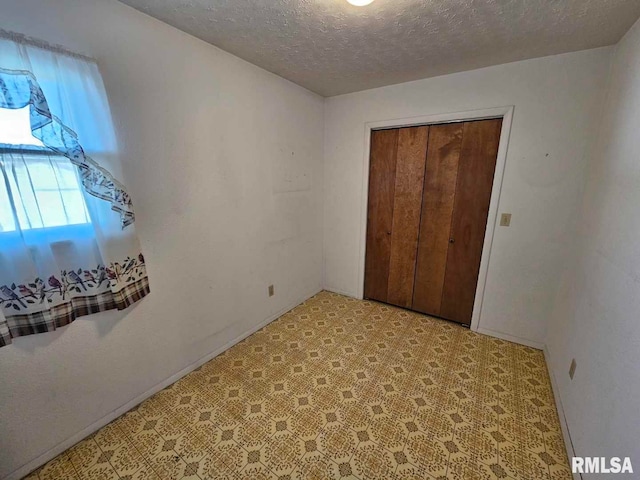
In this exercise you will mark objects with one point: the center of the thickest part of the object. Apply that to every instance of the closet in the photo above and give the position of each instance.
(429, 193)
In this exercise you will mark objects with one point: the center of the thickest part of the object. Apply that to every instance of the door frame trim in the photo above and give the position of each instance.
(506, 113)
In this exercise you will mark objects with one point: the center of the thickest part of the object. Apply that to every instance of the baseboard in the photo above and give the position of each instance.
(563, 419)
(97, 425)
(341, 292)
(511, 338)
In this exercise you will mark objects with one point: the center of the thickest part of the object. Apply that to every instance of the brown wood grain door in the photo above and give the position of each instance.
(393, 220)
(429, 193)
(439, 192)
(382, 184)
(410, 163)
(480, 140)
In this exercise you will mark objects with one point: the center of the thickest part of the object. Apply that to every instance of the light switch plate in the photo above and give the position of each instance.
(271, 291)
(505, 220)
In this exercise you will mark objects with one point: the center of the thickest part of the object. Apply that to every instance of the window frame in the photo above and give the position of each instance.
(58, 232)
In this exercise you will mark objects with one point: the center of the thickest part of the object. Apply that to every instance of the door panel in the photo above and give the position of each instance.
(443, 154)
(429, 194)
(473, 192)
(410, 164)
(382, 175)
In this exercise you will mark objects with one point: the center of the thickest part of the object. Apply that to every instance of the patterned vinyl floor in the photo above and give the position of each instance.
(340, 388)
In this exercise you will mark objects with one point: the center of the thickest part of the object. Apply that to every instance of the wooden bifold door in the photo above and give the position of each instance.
(429, 193)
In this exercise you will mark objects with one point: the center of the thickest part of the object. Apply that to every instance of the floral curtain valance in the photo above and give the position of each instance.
(19, 89)
(68, 245)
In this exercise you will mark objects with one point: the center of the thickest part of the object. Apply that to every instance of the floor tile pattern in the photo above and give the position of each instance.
(340, 388)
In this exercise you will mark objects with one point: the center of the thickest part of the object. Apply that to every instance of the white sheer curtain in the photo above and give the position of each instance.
(68, 245)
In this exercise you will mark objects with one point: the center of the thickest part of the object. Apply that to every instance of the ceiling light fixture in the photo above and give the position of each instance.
(360, 3)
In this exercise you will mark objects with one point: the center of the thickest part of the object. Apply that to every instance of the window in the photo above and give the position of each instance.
(50, 191)
(60, 258)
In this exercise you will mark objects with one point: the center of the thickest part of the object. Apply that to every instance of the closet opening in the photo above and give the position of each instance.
(431, 205)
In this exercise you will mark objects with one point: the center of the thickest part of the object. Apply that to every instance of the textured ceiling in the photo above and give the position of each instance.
(332, 47)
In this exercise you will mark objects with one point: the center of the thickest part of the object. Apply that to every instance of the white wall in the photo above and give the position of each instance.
(557, 100)
(596, 316)
(224, 163)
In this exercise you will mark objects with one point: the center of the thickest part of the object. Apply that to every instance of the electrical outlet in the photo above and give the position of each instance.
(572, 368)
(271, 291)
(505, 220)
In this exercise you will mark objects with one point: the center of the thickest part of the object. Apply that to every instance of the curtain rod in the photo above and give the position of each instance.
(36, 42)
